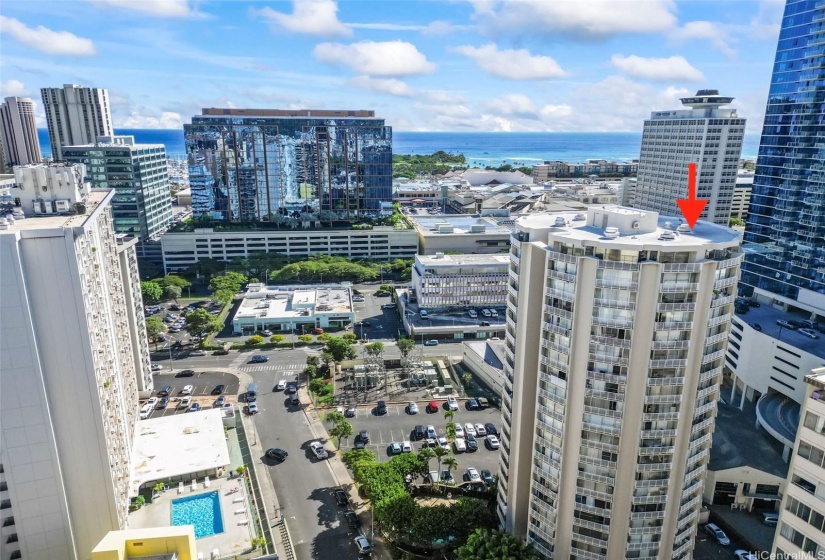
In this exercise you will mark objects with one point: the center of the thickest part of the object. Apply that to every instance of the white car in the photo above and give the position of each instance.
(452, 403)
(185, 402)
(152, 402)
(486, 312)
(406, 447)
(227, 406)
(470, 429)
(442, 442)
(318, 450)
(460, 446)
(459, 431)
(252, 408)
(146, 411)
(187, 390)
(473, 313)
(281, 386)
(157, 367)
(412, 407)
(481, 431)
(197, 353)
(431, 432)
(472, 475)
(492, 442)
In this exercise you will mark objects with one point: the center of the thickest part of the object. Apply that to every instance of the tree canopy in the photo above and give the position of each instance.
(200, 320)
(340, 349)
(491, 544)
(152, 291)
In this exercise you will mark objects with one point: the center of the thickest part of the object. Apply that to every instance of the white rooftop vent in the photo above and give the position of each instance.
(560, 222)
(439, 256)
(579, 217)
(611, 232)
(478, 228)
(683, 228)
(667, 236)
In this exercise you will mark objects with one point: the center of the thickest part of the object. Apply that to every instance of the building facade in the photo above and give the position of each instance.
(785, 232)
(617, 324)
(288, 166)
(74, 356)
(705, 134)
(801, 528)
(742, 195)
(448, 281)
(142, 205)
(76, 115)
(18, 133)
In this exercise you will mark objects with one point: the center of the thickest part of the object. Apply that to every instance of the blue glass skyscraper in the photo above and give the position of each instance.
(785, 233)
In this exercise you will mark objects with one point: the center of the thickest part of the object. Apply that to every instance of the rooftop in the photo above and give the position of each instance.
(634, 230)
(177, 445)
(766, 317)
(53, 221)
(295, 113)
(737, 443)
(453, 260)
(269, 302)
(485, 350)
(461, 224)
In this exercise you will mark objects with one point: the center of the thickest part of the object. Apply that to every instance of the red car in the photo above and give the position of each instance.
(317, 330)
(432, 407)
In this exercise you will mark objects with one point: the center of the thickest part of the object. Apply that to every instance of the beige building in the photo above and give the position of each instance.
(73, 356)
(18, 133)
(447, 281)
(76, 115)
(801, 531)
(617, 323)
(742, 195)
(461, 233)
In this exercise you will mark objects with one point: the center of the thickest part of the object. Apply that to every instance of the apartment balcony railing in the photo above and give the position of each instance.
(696, 428)
(601, 429)
(558, 312)
(647, 515)
(663, 399)
(614, 303)
(607, 395)
(725, 282)
(615, 283)
(605, 376)
(676, 306)
(555, 362)
(610, 341)
(719, 320)
(657, 416)
(652, 451)
(670, 287)
(716, 338)
(721, 300)
(670, 344)
(615, 323)
(558, 329)
(658, 434)
(667, 363)
(565, 276)
(707, 391)
(601, 479)
(704, 408)
(674, 325)
(607, 358)
(718, 355)
(665, 381)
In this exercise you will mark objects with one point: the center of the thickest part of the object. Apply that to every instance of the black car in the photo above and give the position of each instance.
(185, 373)
(418, 433)
(364, 436)
(277, 454)
(472, 404)
(341, 497)
(487, 477)
(163, 402)
(291, 387)
(485, 323)
(381, 408)
(754, 303)
(352, 520)
(350, 412)
(472, 444)
(741, 309)
(165, 391)
(366, 323)
(218, 390)
(757, 327)
(491, 429)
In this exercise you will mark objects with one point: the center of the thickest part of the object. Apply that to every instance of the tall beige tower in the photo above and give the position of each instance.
(76, 115)
(18, 132)
(617, 323)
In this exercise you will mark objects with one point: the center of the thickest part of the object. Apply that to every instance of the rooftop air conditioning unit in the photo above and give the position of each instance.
(683, 228)
(667, 236)
(63, 205)
(611, 232)
(635, 225)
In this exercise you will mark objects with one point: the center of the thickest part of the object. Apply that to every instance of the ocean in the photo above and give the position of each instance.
(480, 148)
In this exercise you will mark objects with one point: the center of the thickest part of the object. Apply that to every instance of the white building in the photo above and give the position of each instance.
(76, 115)
(706, 135)
(445, 281)
(53, 188)
(617, 323)
(801, 529)
(73, 356)
(742, 195)
(286, 308)
(465, 234)
(18, 132)
(182, 249)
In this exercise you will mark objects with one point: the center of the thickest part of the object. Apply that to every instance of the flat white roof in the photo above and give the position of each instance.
(267, 302)
(177, 445)
(453, 260)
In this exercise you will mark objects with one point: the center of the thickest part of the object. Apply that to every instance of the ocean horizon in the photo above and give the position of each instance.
(479, 148)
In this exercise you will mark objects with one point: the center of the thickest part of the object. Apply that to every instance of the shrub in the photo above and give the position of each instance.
(255, 340)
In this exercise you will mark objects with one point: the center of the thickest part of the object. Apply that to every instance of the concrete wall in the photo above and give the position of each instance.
(492, 377)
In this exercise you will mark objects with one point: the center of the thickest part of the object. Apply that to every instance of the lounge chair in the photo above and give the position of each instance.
(206, 482)
(180, 487)
(194, 484)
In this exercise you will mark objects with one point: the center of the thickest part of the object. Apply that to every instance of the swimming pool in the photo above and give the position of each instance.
(203, 511)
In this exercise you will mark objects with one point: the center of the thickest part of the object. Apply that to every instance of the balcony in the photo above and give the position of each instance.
(602, 429)
(561, 275)
(607, 358)
(663, 399)
(721, 319)
(707, 358)
(665, 381)
(725, 282)
(676, 306)
(610, 341)
(670, 344)
(671, 287)
(674, 326)
(614, 303)
(668, 363)
(615, 323)
(616, 283)
(555, 362)
(704, 408)
(558, 329)
(696, 428)
(647, 515)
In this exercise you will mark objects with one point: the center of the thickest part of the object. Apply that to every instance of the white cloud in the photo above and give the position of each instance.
(383, 85)
(591, 19)
(515, 104)
(764, 26)
(46, 40)
(310, 17)
(166, 119)
(657, 69)
(158, 8)
(388, 58)
(386, 26)
(13, 88)
(512, 64)
(710, 32)
(443, 96)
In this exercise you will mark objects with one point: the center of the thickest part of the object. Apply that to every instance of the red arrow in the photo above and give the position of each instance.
(691, 208)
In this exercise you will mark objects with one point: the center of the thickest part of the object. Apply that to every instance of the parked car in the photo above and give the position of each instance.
(757, 327)
(717, 534)
(276, 453)
(487, 477)
(187, 390)
(807, 323)
(352, 520)
(447, 477)
(492, 442)
(744, 555)
(785, 324)
(364, 436)
(152, 402)
(395, 448)
(220, 352)
(412, 408)
(491, 429)
(432, 477)
(281, 385)
(472, 404)
(452, 403)
(219, 402)
(146, 411)
(406, 447)
(810, 333)
(163, 402)
(486, 312)
(469, 429)
(165, 390)
(317, 330)
(194, 407)
(185, 373)
(431, 342)
(472, 444)
(418, 433)
(197, 353)
(318, 450)
(341, 497)
(252, 408)
(432, 406)
(381, 408)
(482, 402)
(219, 389)
(472, 475)
(363, 545)
(770, 517)
(350, 411)
(157, 367)
(291, 387)
(459, 430)
(460, 445)
(473, 313)
(258, 359)
(431, 431)
(443, 443)
(481, 431)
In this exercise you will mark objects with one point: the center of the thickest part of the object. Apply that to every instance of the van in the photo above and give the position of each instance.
(423, 313)
(473, 313)
(252, 392)
(486, 312)
(493, 313)
(293, 399)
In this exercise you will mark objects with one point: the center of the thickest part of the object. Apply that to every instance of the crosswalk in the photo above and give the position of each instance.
(273, 367)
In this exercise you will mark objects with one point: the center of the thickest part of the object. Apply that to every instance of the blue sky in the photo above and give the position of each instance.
(451, 65)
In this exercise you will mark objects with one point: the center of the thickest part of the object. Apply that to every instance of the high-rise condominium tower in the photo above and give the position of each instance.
(617, 322)
(705, 134)
(142, 205)
(19, 132)
(785, 231)
(76, 115)
(73, 357)
(288, 167)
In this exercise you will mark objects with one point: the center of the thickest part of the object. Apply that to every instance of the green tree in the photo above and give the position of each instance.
(449, 415)
(151, 291)
(450, 462)
(349, 336)
(340, 349)
(206, 267)
(491, 544)
(277, 338)
(200, 320)
(426, 454)
(305, 338)
(254, 340)
(326, 358)
(324, 337)
(440, 453)
(334, 417)
(313, 361)
(174, 280)
(409, 464)
(341, 430)
(310, 371)
(172, 292)
(374, 348)
(405, 346)
(736, 222)
(154, 328)
(227, 281)
(451, 430)
(222, 296)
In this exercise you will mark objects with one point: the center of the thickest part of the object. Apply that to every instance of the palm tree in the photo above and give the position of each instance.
(426, 454)
(439, 453)
(449, 415)
(451, 463)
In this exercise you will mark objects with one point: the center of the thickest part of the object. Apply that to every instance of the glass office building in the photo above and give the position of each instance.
(288, 167)
(785, 233)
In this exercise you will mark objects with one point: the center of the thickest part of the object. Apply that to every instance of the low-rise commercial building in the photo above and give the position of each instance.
(552, 169)
(286, 308)
(464, 234)
(177, 542)
(182, 249)
(486, 360)
(445, 281)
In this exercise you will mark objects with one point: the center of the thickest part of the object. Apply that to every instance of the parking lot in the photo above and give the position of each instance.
(203, 382)
(396, 426)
